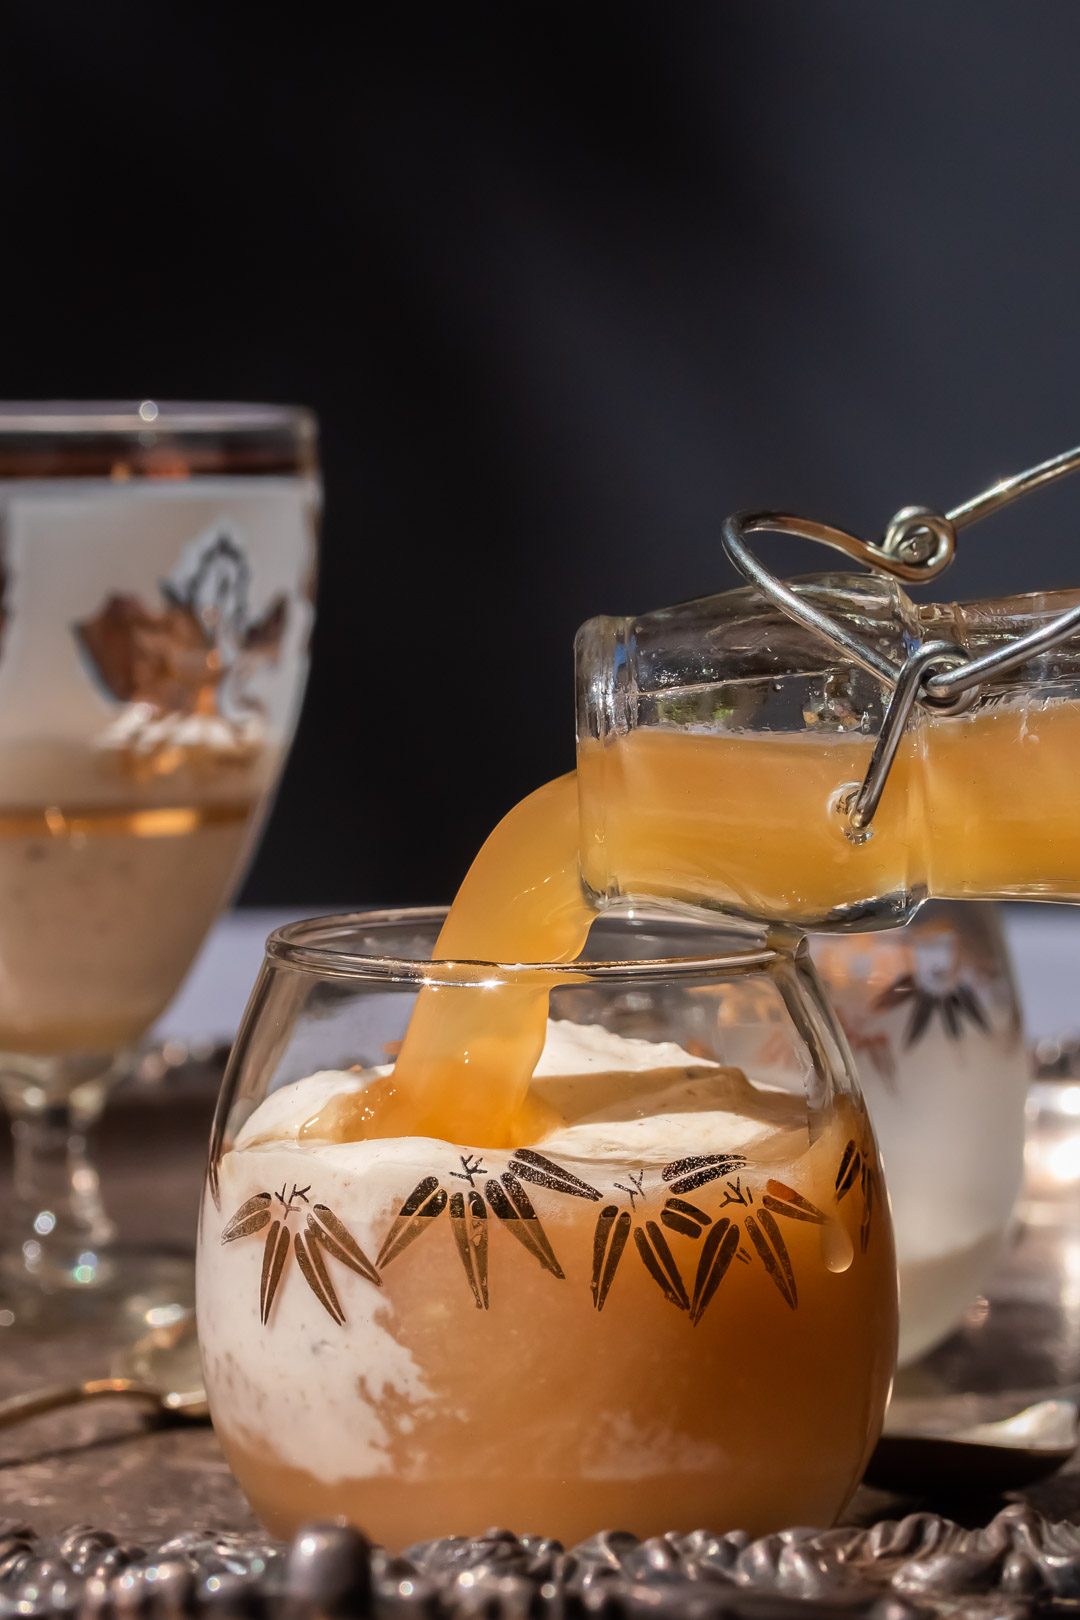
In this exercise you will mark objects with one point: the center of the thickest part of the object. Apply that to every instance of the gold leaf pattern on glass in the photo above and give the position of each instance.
(511, 1204)
(680, 1215)
(873, 1045)
(765, 1235)
(424, 1204)
(468, 1222)
(323, 1231)
(609, 1241)
(544, 1172)
(193, 653)
(324, 1228)
(736, 1211)
(954, 1004)
(659, 1262)
(275, 1254)
(784, 1200)
(754, 1216)
(686, 1175)
(850, 1166)
(750, 1215)
(717, 1253)
(507, 1200)
(857, 1169)
(314, 1272)
(142, 656)
(250, 1217)
(869, 1191)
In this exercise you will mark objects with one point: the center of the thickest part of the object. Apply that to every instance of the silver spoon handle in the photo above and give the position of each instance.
(55, 1397)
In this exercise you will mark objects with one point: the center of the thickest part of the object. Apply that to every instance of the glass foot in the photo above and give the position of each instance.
(60, 1263)
(118, 1293)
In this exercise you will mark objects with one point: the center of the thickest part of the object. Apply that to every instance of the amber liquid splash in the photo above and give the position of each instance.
(101, 911)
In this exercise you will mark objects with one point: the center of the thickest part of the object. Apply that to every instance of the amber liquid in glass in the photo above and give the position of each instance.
(101, 911)
(977, 806)
(552, 1409)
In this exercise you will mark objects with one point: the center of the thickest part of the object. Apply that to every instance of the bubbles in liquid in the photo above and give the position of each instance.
(837, 1249)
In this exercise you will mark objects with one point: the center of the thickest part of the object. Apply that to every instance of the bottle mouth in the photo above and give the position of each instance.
(606, 693)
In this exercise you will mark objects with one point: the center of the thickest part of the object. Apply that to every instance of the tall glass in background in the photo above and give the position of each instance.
(931, 1014)
(156, 598)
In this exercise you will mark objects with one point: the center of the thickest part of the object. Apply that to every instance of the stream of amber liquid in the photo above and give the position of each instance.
(980, 806)
(464, 1069)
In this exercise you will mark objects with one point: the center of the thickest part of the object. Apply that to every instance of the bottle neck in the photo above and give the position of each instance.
(605, 678)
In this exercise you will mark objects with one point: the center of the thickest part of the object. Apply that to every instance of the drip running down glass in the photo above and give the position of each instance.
(674, 1305)
(156, 575)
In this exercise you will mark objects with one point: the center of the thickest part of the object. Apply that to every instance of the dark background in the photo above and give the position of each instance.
(565, 283)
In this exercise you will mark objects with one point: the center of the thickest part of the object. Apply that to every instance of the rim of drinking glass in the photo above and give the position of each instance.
(121, 418)
(309, 945)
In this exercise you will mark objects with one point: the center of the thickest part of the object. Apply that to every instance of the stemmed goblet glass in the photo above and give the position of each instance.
(156, 570)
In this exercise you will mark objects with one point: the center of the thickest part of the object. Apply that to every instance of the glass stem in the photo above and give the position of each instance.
(59, 1220)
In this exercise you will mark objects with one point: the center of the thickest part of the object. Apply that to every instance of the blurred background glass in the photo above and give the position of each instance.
(157, 564)
(931, 1015)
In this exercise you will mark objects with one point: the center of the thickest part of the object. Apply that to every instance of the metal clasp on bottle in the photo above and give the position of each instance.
(917, 546)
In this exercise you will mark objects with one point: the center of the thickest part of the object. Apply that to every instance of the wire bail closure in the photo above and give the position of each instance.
(918, 545)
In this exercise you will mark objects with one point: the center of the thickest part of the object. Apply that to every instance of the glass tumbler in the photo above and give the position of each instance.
(156, 576)
(931, 1014)
(676, 1306)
